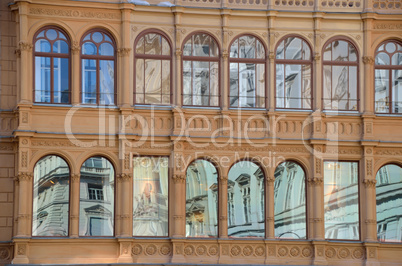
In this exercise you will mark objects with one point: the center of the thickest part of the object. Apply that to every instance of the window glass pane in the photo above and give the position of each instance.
(352, 53)
(352, 87)
(42, 46)
(306, 86)
(306, 51)
(247, 47)
(106, 82)
(97, 37)
(201, 199)
(150, 196)
(60, 47)
(260, 86)
(139, 81)
(166, 81)
(96, 198)
(397, 59)
(382, 91)
(397, 91)
(201, 45)
(382, 59)
(390, 47)
(106, 49)
(246, 200)
(293, 48)
(389, 203)
(187, 48)
(153, 44)
(280, 51)
(247, 85)
(290, 201)
(153, 72)
(340, 51)
(340, 84)
(213, 48)
(41, 34)
(341, 208)
(200, 83)
(234, 84)
(51, 34)
(214, 83)
(187, 84)
(139, 49)
(260, 50)
(51, 181)
(327, 81)
(88, 81)
(165, 47)
(42, 79)
(293, 86)
(280, 86)
(89, 48)
(234, 49)
(107, 38)
(328, 52)
(61, 81)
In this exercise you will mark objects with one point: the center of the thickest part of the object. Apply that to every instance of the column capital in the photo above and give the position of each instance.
(368, 60)
(179, 178)
(24, 176)
(369, 183)
(315, 181)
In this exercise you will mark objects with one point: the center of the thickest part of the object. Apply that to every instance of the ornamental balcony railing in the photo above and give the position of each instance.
(343, 6)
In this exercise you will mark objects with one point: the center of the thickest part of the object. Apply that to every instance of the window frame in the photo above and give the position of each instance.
(153, 57)
(209, 59)
(254, 61)
(340, 63)
(300, 62)
(52, 56)
(390, 68)
(98, 58)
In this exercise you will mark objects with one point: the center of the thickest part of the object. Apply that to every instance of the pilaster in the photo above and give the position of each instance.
(223, 206)
(368, 196)
(74, 205)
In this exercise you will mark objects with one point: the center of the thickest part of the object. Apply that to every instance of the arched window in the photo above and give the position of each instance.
(246, 198)
(389, 203)
(341, 200)
(247, 73)
(51, 194)
(52, 66)
(340, 76)
(98, 59)
(153, 61)
(201, 199)
(388, 78)
(293, 74)
(201, 71)
(97, 198)
(290, 201)
(150, 196)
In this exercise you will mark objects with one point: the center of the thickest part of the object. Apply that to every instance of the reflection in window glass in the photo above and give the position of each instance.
(341, 200)
(246, 200)
(150, 196)
(293, 74)
(201, 199)
(96, 198)
(388, 78)
(389, 203)
(340, 69)
(290, 201)
(51, 197)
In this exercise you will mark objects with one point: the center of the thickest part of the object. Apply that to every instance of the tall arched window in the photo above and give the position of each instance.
(389, 203)
(340, 76)
(150, 196)
(247, 73)
(290, 201)
(293, 74)
(201, 71)
(97, 184)
(52, 66)
(98, 59)
(246, 198)
(51, 194)
(201, 199)
(388, 78)
(153, 62)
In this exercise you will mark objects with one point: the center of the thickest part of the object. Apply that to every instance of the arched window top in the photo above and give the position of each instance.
(340, 50)
(51, 40)
(389, 53)
(153, 43)
(98, 43)
(247, 47)
(201, 44)
(293, 48)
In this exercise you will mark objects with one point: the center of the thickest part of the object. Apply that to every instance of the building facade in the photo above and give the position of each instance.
(212, 132)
